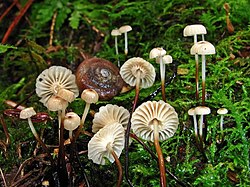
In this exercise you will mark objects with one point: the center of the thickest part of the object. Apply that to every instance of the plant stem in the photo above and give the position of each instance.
(161, 164)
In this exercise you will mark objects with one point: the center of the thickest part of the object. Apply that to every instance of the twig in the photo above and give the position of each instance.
(52, 27)
(8, 9)
(4, 181)
(5, 129)
(16, 21)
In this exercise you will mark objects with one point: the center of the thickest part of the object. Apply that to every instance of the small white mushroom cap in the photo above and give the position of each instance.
(108, 115)
(191, 111)
(202, 110)
(109, 137)
(166, 59)
(157, 52)
(191, 30)
(51, 80)
(89, 96)
(66, 95)
(143, 117)
(130, 68)
(116, 32)
(202, 48)
(27, 113)
(56, 103)
(125, 28)
(222, 111)
(71, 121)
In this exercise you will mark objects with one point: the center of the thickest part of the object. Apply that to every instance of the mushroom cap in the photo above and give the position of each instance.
(191, 111)
(101, 75)
(66, 95)
(110, 136)
(27, 113)
(71, 121)
(125, 28)
(108, 115)
(157, 52)
(143, 117)
(166, 59)
(56, 103)
(191, 30)
(222, 111)
(89, 96)
(115, 32)
(202, 48)
(129, 70)
(202, 110)
(51, 80)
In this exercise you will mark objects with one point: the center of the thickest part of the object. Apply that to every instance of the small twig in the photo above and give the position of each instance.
(5, 129)
(4, 181)
(52, 27)
(8, 9)
(16, 21)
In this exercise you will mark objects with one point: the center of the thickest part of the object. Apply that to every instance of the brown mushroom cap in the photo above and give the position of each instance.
(100, 75)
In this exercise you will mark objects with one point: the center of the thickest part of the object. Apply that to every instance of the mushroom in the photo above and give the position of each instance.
(115, 33)
(194, 30)
(108, 115)
(107, 144)
(51, 80)
(125, 29)
(155, 121)
(101, 75)
(203, 48)
(89, 96)
(139, 73)
(222, 112)
(202, 110)
(27, 113)
(191, 112)
(158, 53)
(71, 122)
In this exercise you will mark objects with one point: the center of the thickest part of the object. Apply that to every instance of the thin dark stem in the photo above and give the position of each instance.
(119, 166)
(5, 129)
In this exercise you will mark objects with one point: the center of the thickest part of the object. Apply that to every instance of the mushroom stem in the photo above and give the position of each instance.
(126, 43)
(119, 167)
(196, 129)
(201, 127)
(161, 164)
(197, 76)
(117, 52)
(162, 69)
(84, 115)
(221, 127)
(203, 71)
(70, 135)
(33, 130)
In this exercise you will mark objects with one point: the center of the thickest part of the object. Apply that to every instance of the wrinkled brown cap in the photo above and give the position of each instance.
(101, 75)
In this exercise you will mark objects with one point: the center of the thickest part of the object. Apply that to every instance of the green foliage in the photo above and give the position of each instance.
(4, 48)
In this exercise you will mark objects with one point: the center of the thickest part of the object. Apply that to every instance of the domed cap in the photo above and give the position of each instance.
(202, 110)
(202, 48)
(108, 115)
(101, 75)
(51, 80)
(143, 117)
(89, 96)
(125, 28)
(191, 112)
(56, 103)
(115, 32)
(157, 52)
(222, 111)
(166, 59)
(129, 70)
(109, 137)
(71, 121)
(27, 113)
(195, 29)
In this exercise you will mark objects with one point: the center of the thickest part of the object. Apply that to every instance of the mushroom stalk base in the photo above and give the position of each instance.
(161, 164)
(119, 166)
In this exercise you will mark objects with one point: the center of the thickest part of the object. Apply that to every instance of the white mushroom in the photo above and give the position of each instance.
(115, 33)
(125, 29)
(203, 48)
(191, 112)
(222, 112)
(202, 110)
(194, 30)
(71, 122)
(51, 80)
(155, 121)
(108, 115)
